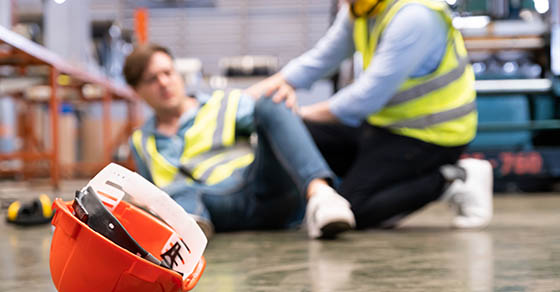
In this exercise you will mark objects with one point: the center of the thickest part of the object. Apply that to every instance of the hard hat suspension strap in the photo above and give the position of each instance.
(89, 209)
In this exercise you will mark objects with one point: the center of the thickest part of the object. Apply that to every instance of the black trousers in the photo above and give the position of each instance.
(383, 174)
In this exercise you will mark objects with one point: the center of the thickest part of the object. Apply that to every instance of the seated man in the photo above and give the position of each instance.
(196, 150)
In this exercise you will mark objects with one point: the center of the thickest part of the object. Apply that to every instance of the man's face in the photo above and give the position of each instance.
(161, 86)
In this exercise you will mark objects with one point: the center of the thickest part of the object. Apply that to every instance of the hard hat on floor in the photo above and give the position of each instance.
(119, 248)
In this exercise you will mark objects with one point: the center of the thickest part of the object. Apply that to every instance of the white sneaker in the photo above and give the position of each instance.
(328, 214)
(472, 198)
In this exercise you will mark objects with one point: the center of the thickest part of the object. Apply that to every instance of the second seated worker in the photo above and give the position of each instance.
(395, 135)
(198, 151)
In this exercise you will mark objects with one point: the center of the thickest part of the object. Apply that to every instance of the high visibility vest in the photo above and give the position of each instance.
(210, 154)
(437, 108)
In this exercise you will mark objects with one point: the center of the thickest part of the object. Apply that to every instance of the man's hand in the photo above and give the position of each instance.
(318, 112)
(276, 84)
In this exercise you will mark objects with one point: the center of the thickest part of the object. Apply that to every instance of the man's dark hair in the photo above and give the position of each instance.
(136, 63)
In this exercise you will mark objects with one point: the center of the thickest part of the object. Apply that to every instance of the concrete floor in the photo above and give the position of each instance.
(520, 251)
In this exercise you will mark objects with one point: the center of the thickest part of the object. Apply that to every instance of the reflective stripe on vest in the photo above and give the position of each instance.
(210, 153)
(437, 108)
(163, 172)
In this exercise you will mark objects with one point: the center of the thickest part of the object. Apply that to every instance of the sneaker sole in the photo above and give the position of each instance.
(331, 230)
(467, 223)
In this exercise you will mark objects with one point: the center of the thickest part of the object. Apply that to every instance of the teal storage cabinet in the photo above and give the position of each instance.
(503, 110)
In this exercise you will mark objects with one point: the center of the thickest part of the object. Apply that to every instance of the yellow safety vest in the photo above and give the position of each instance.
(438, 108)
(210, 154)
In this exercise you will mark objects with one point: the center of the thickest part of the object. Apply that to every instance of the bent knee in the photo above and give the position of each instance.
(267, 110)
(265, 105)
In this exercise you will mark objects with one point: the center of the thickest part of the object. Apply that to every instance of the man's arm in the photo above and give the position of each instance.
(318, 112)
(325, 57)
(303, 71)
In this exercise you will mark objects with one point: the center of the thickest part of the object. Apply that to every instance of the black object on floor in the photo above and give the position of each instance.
(36, 212)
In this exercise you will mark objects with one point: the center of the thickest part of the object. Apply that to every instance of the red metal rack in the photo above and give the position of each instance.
(20, 54)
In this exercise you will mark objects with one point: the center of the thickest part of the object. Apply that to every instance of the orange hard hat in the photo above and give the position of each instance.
(82, 259)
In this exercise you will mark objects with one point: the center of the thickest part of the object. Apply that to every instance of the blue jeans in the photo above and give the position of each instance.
(269, 193)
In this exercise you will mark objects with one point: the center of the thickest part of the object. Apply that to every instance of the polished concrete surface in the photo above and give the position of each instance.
(520, 251)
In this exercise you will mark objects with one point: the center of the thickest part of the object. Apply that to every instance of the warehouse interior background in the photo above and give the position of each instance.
(65, 113)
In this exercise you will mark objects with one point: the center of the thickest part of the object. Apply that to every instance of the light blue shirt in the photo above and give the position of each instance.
(412, 45)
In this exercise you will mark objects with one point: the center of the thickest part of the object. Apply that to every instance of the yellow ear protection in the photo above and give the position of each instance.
(38, 211)
(361, 8)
